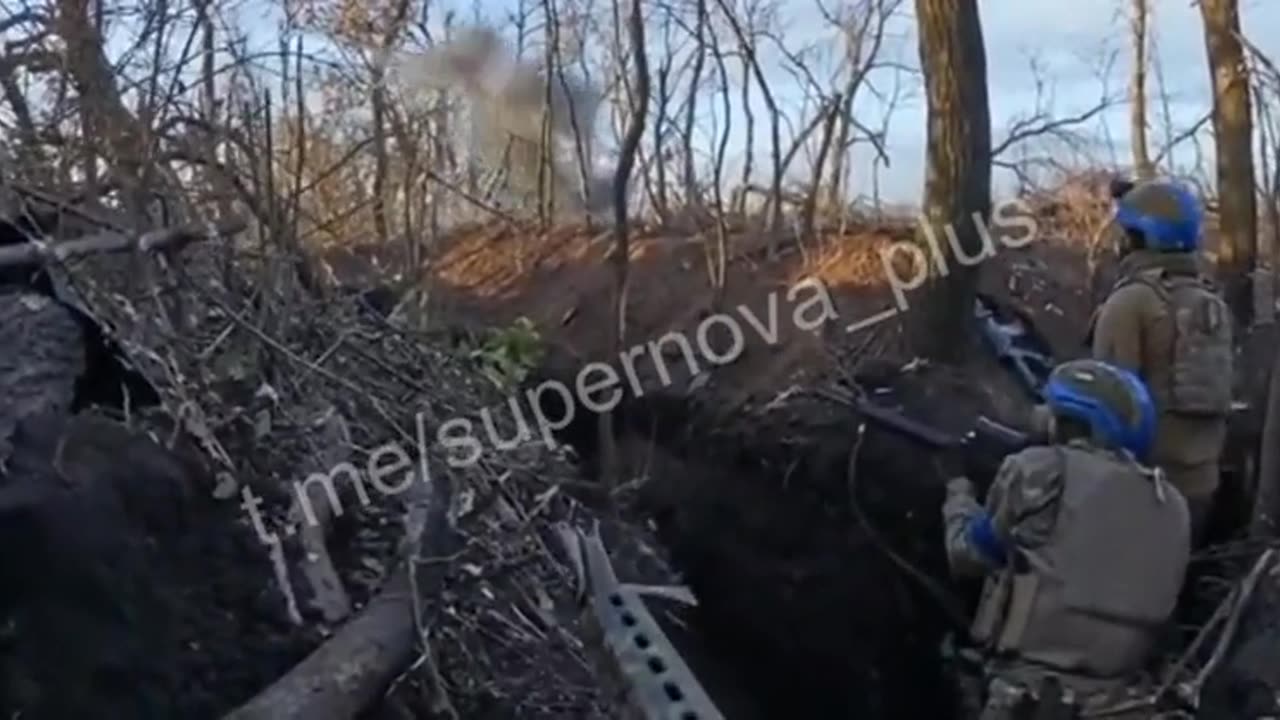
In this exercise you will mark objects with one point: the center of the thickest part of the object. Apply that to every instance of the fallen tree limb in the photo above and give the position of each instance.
(40, 253)
(347, 673)
(352, 669)
(1239, 605)
(325, 592)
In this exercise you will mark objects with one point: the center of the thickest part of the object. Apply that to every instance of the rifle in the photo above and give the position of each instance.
(986, 436)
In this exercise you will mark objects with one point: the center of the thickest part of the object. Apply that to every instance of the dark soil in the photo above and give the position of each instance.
(133, 593)
(801, 613)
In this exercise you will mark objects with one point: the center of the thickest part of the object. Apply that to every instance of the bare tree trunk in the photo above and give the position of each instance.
(622, 249)
(1264, 282)
(749, 141)
(381, 225)
(695, 82)
(1233, 134)
(717, 265)
(1265, 520)
(1138, 93)
(833, 111)
(381, 213)
(835, 183)
(106, 116)
(747, 46)
(546, 176)
(957, 189)
(659, 124)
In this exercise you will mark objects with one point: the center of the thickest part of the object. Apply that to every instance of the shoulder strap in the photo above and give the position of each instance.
(1154, 279)
(1163, 282)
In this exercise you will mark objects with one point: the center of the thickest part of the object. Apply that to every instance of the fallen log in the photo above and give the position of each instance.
(352, 669)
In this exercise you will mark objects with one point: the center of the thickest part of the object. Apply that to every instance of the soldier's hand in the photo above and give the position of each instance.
(959, 486)
(960, 501)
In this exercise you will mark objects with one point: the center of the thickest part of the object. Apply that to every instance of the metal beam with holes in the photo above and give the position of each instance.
(659, 685)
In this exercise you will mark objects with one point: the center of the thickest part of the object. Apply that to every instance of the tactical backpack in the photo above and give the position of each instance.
(1202, 355)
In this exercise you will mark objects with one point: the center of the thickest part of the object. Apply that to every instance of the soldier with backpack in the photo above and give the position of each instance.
(1166, 322)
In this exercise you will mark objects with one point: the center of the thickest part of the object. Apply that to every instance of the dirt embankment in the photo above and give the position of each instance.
(747, 472)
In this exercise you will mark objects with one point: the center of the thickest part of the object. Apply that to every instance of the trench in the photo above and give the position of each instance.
(800, 614)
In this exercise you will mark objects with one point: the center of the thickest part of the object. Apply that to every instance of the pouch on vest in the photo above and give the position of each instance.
(1200, 366)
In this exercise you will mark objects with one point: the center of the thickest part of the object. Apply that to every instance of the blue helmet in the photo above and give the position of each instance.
(1165, 214)
(1114, 402)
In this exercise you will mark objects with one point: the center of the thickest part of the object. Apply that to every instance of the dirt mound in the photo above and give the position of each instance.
(132, 593)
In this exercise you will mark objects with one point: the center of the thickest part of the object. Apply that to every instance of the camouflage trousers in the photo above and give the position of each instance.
(1011, 699)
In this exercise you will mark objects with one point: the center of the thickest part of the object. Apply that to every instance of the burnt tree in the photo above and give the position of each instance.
(1233, 136)
(957, 188)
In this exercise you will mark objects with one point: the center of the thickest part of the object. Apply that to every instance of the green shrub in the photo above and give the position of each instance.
(508, 355)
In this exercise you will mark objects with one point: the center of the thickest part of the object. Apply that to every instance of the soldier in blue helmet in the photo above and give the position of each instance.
(1084, 547)
(1165, 321)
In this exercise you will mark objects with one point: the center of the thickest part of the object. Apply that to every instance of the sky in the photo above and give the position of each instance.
(1070, 40)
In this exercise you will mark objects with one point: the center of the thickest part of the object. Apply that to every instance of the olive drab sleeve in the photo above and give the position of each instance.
(959, 512)
(1028, 512)
(1117, 333)
(1021, 508)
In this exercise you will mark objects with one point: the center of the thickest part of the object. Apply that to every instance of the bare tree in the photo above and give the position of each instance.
(621, 218)
(1138, 91)
(664, 90)
(863, 31)
(1233, 135)
(834, 110)
(748, 120)
(718, 254)
(957, 190)
(747, 46)
(1058, 139)
(701, 27)
(1266, 82)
